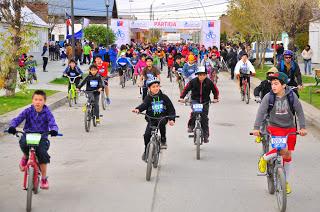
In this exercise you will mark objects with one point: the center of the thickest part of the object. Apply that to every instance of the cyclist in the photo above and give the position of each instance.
(170, 62)
(200, 88)
(156, 104)
(148, 73)
(134, 61)
(93, 82)
(122, 62)
(104, 73)
(189, 69)
(140, 65)
(38, 118)
(73, 71)
(281, 120)
(208, 64)
(244, 66)
(291, 69)
(265, 85)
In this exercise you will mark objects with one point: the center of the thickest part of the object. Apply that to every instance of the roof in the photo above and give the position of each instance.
(31, 18)
(81, 7)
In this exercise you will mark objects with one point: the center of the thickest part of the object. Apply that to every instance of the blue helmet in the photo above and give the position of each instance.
(288, 52)
(152, 81)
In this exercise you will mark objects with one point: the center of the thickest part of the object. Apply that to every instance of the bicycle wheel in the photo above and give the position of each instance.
(247, 93)
(265, 144)
(30, 188)
(170, 75)
(87, 119)
(149, 160)
(94, 118)
(281, 192)
(70, 98)
(198, 142)
(155, 160)
(270, 177)
(242, 94)
(75, 98)
(36, 183)
(103, 101)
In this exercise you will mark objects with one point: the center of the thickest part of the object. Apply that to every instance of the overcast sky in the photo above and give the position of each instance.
(173, 9)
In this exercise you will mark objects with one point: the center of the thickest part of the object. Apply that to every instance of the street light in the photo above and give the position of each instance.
(107, 6)
(73, 44)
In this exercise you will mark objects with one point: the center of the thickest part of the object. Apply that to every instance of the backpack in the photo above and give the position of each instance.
(290, 97)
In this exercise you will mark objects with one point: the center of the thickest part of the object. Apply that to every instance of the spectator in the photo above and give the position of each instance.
(86, 53)
(307, 55)
(45, 56)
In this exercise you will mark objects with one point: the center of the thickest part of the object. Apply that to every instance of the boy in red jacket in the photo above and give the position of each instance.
(170, 64)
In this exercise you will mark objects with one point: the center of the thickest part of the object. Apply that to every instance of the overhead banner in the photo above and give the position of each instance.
(121, 29)
(145, 24)
(210, 33)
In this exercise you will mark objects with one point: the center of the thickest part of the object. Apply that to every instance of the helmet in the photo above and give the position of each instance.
(200, 70)
(152, 81)
(280, 76)
(191, 58)
(272, 70)
(288, 52)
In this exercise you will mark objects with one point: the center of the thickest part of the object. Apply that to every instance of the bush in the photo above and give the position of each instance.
(302, 39)
(98, 34)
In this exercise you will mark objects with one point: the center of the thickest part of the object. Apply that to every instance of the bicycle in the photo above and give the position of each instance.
(31, 180)
(89, 110)
(134, 77)
(154, 146)
(72, 93)
(275, 171)
(245, 89)
(264, 136)
(170, 73)
(123, 75)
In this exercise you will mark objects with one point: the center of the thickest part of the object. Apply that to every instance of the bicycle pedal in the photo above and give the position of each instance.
(191, 136)
(101, 115)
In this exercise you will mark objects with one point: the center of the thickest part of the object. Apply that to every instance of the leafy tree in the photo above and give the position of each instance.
(98, 34)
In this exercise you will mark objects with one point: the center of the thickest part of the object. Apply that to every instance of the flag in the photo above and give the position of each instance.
(211, 24)
(119, 23)
(86, 22)
(68, 22)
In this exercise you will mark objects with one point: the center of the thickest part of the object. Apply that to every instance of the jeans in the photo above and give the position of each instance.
(45, 63)
(85, 57)
(307, 67)
(96, 97)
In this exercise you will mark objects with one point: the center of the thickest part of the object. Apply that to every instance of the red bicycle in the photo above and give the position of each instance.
(31, 180)
(245, 89)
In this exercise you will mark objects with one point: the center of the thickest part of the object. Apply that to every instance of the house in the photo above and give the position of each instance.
(39, 26)
(314, 35)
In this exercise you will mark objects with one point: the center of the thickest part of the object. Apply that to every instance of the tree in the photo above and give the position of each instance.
(16, 40)
(98, 34)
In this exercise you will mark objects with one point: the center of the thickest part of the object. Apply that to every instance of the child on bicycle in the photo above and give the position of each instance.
(31, 67)
(157, 105)
(200, 88)
(38, 118)
(281, 120)
(104, 73)
(244, 66)
(94, 83)
(73, 71)
(265, 86)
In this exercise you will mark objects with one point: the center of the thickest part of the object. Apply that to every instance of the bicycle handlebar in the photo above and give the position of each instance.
(292, 133)
(161, 118)
(43, 133)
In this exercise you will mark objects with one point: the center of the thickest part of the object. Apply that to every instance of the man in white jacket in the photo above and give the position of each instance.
(244, 68)
(307, 55)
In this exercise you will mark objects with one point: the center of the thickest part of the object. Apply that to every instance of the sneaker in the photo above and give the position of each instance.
(23, 163)
(206, 140)
(288, 188)
(190, 130)
(163, 146)
(44, 184)
(108, 101)
(262, 165)
(143, 156)
(98, 121)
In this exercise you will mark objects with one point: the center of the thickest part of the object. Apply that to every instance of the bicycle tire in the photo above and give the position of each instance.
(30, 188)
(75, 98)
(70, 98)
(36, 184)
(170, 75)
(93, 117)
(87, 120)
(242, 94)
(270, 178)
(265, 144)
(149, 160)
(156, 158)
(103, 101)
(247, 94)
(281, 193)
(198, 142)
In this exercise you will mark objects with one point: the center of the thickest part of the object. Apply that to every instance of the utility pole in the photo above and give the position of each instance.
(107, 6)
(72, 26)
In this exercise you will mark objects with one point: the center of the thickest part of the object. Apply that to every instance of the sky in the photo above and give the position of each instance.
(173, 9)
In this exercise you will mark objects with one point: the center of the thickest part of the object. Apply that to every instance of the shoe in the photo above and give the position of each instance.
(98, 121)
(108, 101)
(258, 139)
(288, 188)
(190, 130)
(163, 146)
(144, 156)
(262, 165)
(23, 163)
(44, 184)
(206, 140)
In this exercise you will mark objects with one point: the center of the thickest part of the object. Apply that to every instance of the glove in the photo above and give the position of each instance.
(12, 130)
(53, 133)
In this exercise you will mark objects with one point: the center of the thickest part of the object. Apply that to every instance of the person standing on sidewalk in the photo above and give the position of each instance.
(78, 54)
(86, 53)
(45, 56)
(307, 55)
(69, 52)
(232, 61)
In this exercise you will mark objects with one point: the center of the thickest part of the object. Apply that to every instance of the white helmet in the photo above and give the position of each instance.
(201, 69)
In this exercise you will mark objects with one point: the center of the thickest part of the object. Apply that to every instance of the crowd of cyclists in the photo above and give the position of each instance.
(196, 70)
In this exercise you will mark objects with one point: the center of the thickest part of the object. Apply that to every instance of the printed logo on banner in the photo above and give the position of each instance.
(210, 23)
(119, 23)
(120, 34)
(210, 35)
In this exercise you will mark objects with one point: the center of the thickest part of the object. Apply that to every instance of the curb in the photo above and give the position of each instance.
(311, 113)
(53, 102)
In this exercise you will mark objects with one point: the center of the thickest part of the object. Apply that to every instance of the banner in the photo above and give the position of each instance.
(145, 24)
(210, 33)
(120, 28)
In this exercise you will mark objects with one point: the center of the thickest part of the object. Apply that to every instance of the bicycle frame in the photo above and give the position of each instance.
(72, 85)
(33, 162)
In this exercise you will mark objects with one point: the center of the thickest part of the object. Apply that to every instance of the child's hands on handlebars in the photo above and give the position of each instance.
(135, 111)
(302, 132)
(171, 122)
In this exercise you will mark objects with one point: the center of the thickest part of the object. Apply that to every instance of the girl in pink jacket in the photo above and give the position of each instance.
(140, 65)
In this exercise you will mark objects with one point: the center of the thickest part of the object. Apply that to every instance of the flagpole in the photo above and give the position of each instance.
(72, 26)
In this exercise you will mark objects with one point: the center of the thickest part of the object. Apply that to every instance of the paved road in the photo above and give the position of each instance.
(102, 170)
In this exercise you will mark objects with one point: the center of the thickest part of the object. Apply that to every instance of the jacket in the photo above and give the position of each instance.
(294, 73)
(35, 121)
(92, 82)
(158, 105)
(73, 72)
(263, 89)
(200, 91)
